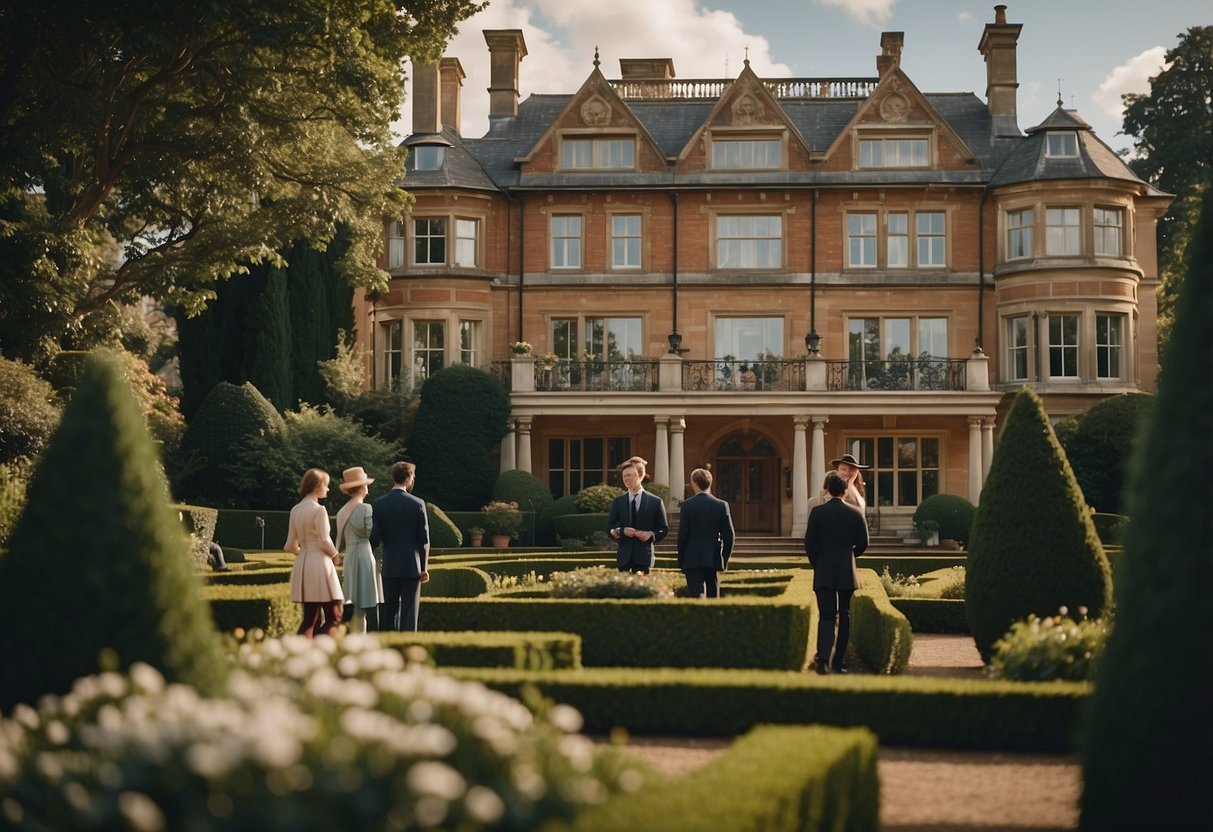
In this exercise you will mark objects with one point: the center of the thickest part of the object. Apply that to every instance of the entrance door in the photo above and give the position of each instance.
(746, 476)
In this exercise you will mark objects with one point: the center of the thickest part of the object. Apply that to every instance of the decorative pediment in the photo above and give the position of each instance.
(596, 112)
(893, 105)
(747, 111)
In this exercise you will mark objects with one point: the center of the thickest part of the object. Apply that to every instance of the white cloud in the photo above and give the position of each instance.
(1133, 76)
(867, 12)
(561, 38)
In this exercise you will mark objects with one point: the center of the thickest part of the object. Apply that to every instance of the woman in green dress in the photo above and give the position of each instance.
(361, 583)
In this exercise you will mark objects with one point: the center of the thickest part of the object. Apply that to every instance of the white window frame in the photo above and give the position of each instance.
(566, 232)
(1109, 346)
(866, 448)
(626, 237)
(897, 240)
(1020, 227)
(765, 153)
(428, 157)
(396, 245)
(1109, 231)
(432, 238)
(1063, 231)
(467, 242)
(749, 241)
(391, 366)
(1068, 351)
(931, 233)
(1061, 144)
(1018, 338)
(469, 342)
(903, 152)
(598, 153)
(862, 239)
(424, 353)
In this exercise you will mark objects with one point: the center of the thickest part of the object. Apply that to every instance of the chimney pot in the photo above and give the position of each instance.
(506, 50)
(998, 47)
(427, 113)
(890, 51)
(451, 77)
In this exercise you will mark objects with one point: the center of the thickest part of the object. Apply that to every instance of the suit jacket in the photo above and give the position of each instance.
(401, 525)
(705, 533)
(650, 518)
(836, 533)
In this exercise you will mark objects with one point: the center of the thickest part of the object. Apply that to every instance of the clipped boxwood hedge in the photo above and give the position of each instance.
(879, 631)
(456, 582)
(245, 607)
(812, 777)
(521, 651)
(444, 534)
(249, 577)
(579, 526)
(933, 615)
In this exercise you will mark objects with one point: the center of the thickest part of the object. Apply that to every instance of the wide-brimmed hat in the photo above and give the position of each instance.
(351, 478)
(849, 459)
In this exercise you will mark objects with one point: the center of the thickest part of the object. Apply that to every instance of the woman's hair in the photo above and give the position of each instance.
(859, 484)
(312, 478)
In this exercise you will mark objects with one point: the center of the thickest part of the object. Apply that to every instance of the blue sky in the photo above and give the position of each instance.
(1097, 48)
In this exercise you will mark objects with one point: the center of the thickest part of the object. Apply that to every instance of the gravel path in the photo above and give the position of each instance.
(924, 789)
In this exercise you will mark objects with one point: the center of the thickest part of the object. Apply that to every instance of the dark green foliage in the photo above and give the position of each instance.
(532, 495)
(99, 561)
(933, 615)
(269, 325)
(238, 527)
(1109, 527)
(224, 468)
(1145, 760)
(443, 533)
(881, 632)
(14, 478)
(564, 505)
(1101, 445)
(243, 607)
(387, 413)
(319, 438)
(29, 411)
(461, 418)
(1033, 547)
(522, 651)
(597, 498)
(953, 514)
(199, 523)
(579, 526)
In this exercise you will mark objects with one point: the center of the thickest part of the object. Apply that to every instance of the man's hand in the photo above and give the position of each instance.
(425, 577)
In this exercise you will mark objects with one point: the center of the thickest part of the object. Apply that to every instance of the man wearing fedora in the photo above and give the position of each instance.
(401, 525)
(836, 534)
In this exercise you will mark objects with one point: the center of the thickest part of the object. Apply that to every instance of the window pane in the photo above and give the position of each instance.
(466, 234)
(749, 338)
(1062, 231)
(899, 240)
(429, 241)
(933, 337)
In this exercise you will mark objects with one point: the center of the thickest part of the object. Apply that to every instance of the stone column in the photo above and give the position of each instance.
(678, 465)
(508, 459)
(661, 461)
(800, 477)
(987, 447)
(817, 461)
(524, 444)
(974, 459)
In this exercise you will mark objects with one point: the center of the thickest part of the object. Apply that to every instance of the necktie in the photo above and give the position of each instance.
(635, 509)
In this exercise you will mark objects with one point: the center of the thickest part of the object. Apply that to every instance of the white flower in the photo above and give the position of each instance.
(566, 718)
(141, 812)
(438, 779)
(484, 805)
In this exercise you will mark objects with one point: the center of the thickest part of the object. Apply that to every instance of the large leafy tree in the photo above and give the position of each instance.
(157, 146)
(1172, 132)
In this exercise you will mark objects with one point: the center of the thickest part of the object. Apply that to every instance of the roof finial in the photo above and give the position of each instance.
(747, 55)
(596, 61)
(1059, 101)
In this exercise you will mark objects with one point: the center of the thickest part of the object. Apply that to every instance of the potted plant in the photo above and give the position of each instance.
(475, 536)
(928, 530)
(503, 521)
(520, 348)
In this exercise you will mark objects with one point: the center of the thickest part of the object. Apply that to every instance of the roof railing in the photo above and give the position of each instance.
(690, 89)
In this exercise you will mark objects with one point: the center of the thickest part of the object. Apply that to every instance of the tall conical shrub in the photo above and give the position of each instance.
(1033, 547)
(99, 563)
(1144, 745)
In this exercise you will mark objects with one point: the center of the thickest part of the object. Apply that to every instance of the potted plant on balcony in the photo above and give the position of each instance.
(928, 531)
(521, 348)
(503, 521)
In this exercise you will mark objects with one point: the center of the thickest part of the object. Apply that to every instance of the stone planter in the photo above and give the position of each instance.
(475, 538)
(500, 541)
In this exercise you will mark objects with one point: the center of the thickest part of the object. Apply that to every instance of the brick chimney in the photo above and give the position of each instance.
(890, 51)
(451, 75)
(646, 69)
(997, 46)
(427, 112)
(506, 51)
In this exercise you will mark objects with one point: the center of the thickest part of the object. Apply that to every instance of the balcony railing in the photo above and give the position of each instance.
(770, 374)
(710, 89)
(897, 374)
(622, 376)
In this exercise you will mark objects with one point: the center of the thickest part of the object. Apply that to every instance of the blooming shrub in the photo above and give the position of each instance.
(501, 517)
(900, 586)
(952, 586)
(1054, 647)
(596, 499)
(312, 735)
(606, 582)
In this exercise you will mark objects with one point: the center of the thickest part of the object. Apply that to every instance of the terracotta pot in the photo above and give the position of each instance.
(501, 541)
(475, 538)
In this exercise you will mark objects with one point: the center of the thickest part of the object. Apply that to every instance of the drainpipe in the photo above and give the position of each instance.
(674, 338)
(521, 259)
(981, 269)
(812, 341)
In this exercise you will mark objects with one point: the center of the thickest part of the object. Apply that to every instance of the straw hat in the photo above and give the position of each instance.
(849, 459)
(351, 478)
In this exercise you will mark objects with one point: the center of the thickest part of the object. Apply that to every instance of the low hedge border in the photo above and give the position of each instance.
(254, 605)
(519, 651)
(456, 582)
(880, 632)
(774, 778)
(249, 577)
(933, 615)
(912, 711)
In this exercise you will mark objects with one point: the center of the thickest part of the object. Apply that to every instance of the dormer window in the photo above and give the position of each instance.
(581, 154)
(1061, 145)
(428, 157)
(746, 153)
(894, 153)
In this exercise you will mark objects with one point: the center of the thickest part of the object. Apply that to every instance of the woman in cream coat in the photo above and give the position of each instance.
(314, 580)
(362, 585)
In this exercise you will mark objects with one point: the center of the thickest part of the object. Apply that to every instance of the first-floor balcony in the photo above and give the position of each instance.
(673, 373)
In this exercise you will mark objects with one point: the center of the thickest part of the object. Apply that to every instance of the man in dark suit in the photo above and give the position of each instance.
(637, 521)
(837, 532)
(705, 537)
(399, 522)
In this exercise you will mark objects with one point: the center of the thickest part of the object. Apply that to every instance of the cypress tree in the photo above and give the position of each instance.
(99, 571)
(1033, 547)
(312, 340)
(1145, 742)
(269, 333)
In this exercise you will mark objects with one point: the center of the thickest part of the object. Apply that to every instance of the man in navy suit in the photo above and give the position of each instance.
(837, 532)
(399, 522)
(705, 537)
(637, 521)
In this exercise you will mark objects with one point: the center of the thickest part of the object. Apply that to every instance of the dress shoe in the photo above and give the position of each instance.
(823, 670)
(842, 668)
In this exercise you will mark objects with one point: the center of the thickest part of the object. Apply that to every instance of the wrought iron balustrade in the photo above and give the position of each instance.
(617, 375)
(784, 374)
(896, 374)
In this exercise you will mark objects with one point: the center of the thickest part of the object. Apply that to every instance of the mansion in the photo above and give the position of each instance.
(761, 274)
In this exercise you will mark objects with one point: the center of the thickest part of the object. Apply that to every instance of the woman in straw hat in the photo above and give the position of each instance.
(314, 580)
(363, 588)
(848, 467)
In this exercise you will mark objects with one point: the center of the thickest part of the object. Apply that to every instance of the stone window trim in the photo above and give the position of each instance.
(911, 235)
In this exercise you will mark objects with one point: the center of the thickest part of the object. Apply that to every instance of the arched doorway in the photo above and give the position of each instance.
(746, 475)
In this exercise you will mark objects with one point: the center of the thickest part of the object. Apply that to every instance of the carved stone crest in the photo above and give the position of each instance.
(596, 112)
(894, 107)
(747, 110)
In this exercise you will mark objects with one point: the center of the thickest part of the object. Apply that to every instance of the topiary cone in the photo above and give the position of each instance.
(1145, 741)
(1033, 547)
(98, 565)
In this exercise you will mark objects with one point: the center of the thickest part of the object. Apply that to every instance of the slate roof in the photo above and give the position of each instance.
(489, 162)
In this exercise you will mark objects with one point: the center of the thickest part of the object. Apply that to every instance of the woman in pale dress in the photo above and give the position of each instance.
(314, 581)
(848, 468)
(361, 581)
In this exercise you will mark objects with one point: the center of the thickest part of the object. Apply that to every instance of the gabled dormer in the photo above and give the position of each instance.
(747, 130)
(897, 129)
(596, 132)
